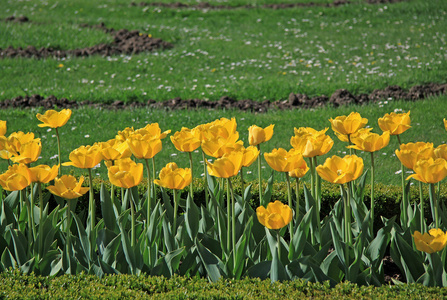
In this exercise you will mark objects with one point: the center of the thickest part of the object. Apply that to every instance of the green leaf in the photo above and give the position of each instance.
(339, 248)
(20, 245)
(46, 261)
(82, 234)
(173, 258)
(277, 271)
(260, 270)
(213, 265)
(12, 200)
(300, 236)
(268, 191)
(8, 260)
(107, 210)
(192, 217)
(129, 252)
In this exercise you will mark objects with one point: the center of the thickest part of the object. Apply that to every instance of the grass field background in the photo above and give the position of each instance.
(254, 53)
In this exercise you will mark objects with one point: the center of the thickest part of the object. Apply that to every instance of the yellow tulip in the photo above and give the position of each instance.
(364, 140)
(2, 128)
(114, 149)
(186, 140)
(276, 216)
(300, 171)
(125, 173)
(43, 173)
(433, 241)
(223, 128)
(227, 166)
(311, 142)
(341, 170)
(85, 157)
(16, 139)
(173, 177)
(445, 124)
(250, 155)
(54, 119)
(28, 152)
(153, 130)
(67, 187)
(144, 146)
(347, 125)
(16, 178)
(410, 153)
(123, 135)
(284, 161)
(395, 123)
(430, 170)
(441, 151)
(258, 135)
(218, 146)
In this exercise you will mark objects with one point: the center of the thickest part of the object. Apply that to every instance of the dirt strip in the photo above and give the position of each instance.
(124, 42)
(338, 98)
(207, 5)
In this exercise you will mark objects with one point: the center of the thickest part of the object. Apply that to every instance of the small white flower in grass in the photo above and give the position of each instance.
(73, 128)
(249, 172)
(54, 156)
(174, 154)
(97, 166)
(384, 153)
(398, 172)
(409, 172)
(202, 175)
(87, 136)
(49, 129)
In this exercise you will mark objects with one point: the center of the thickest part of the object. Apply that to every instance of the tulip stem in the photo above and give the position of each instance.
(278, 242)
(39, 187)
(259, 175)
(435, 204)
(58, 152)
(297, 196)
(317, 194)
(91, 206)
(153, 175)
(149, 200)
(289, 197)
(174, 224)
(233, 223)
(312, 177)
(404, 206)
(228, 215)
(31, 199)
(421, 203)
(192, 175)
(242, 183)
(23, 198)
(371, 223)
(67, 229)
(205, 172)
(132, 215)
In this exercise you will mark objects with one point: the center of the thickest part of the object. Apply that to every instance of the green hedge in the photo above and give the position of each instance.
(387, 197)
(14, 285)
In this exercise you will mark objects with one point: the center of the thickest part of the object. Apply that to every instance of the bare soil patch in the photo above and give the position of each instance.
(338, 98)
(124, 42)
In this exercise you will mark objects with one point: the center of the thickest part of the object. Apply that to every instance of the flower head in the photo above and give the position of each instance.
(284, 161)
(275, 216)
(54, 119)
(67, 187)
(43, 173)
(300, 171)
(395, 123)
(114, 149)
(144, 146)
(16, 178)
(410, 153)
(347, 125)
(125, 173)
(227, 166)
(85, 157)
(364, 140)
(2, 128)
(28, 152)
(173, 177)
(186, 140)
(250, 155)
(258, 135)
(311, 142)
(433, 241)
(341, 170)
(429, 170)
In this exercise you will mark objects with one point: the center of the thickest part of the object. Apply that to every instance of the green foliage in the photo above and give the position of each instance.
(14, 285)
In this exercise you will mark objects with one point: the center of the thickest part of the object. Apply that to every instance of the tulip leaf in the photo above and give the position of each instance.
(168, 235)
(12, 200)
(192, 217)
(154, 224)
(376, 249)
(20, 245)
(46, 261)
(267, 197)
(173, 258)
(300, 236)
(129, 252)
(108, 213)
(260, 270)
(211, 244)
(8, 260)
(7, 217)
(189, 265)
(206, 223)
(167, 204)
(213, 265)
(82, 234)
(106, 268)
(277, 270)
(339, 249)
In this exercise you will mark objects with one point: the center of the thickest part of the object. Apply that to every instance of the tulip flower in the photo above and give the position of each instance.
(433, 241)
(114, 149)
(186, 140)
(125, 173)
(16, 139)
(226, 166)
(275, 216)
(284, 161)
(410, 153)
(153, 130)
(2, 128)
(341, 170)
(28, 153)
(445, 124)
(311, 142)
(54, 119)
(395, 123)
(430, 170)
(367, 141)
(144, 146)
(348, 125)
(85, 157)
(68, 187)
(16, 178)
(250, 155)
(217, 147)
(123, 135)
(258, 135)
(43, 173)
(441, 151)
(173, 177)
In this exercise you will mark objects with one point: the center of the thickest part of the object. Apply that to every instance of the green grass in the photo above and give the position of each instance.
(244, 53)
(87, 126)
